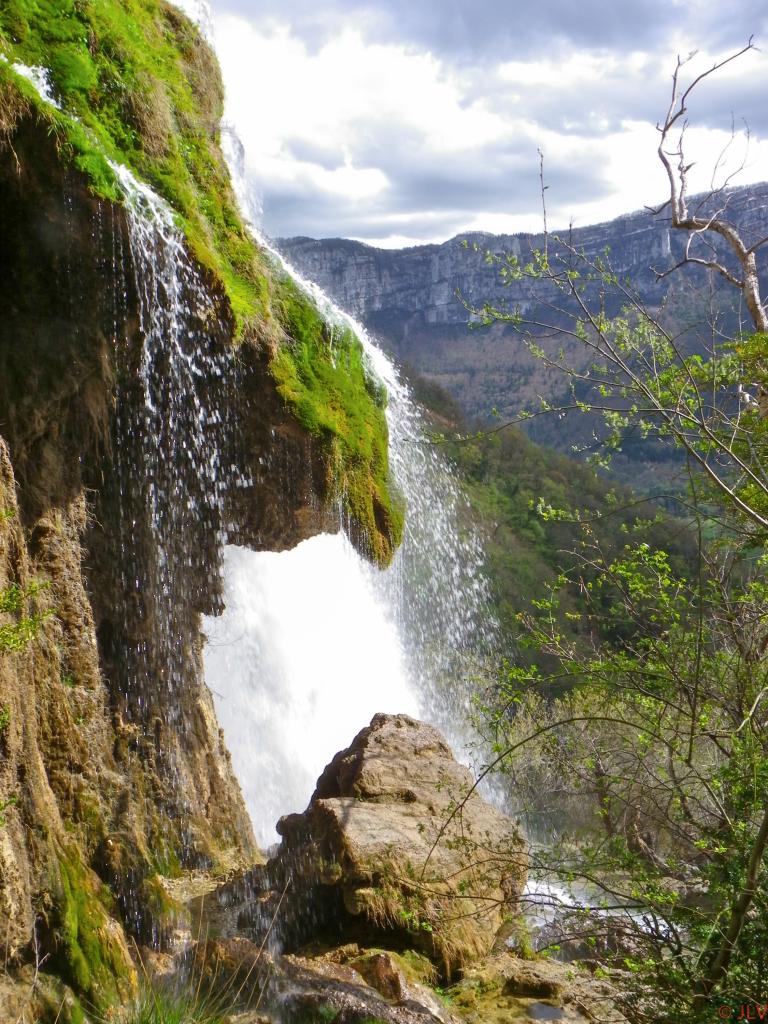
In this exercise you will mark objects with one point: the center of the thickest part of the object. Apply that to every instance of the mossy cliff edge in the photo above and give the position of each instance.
(112, 794)
(135, 83)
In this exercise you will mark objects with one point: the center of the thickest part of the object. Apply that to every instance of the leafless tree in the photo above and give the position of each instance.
(707, 216)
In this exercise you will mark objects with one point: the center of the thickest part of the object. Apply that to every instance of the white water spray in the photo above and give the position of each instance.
(39, 77)
(301, 659)
(170, 441)
(291, 691)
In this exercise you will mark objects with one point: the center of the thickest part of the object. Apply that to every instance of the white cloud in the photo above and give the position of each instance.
(278, 90)
(389, 143)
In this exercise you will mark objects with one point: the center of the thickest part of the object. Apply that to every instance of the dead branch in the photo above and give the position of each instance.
(672, 157)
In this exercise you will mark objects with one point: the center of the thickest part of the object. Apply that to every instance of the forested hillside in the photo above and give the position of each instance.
(511, 482)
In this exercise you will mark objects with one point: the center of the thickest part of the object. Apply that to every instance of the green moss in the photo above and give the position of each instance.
(14, 636)
(416, 966)
(165, 859)
(88, 949)
(138, 85)
(157, 900)
(55, 1003)
(323, 376)
(88, 812)
(164, 914)
(324, 1013)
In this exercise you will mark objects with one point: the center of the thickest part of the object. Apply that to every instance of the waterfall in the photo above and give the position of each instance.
(37, 76)
(436, 588)
(172, 424)
(301, 659)
(313, 641)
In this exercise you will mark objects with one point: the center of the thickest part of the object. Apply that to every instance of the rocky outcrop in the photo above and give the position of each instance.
(397, 877)
(395, 827)
(149, 114)
(350, 985)
(506, 988)
(411, 297)
(60, 784)
(334, 986)
(356, 917)
(396, 847)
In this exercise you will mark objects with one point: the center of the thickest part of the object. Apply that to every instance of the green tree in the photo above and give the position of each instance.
(654, 766)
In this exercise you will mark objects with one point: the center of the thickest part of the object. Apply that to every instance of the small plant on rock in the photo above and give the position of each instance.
(165, 1004)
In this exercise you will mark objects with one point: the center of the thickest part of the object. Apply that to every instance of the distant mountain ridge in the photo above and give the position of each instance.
(408, 298)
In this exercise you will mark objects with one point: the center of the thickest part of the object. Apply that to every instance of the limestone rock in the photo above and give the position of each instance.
(299, 989)
(538, 979)
(353, 985)
(505, 988)
(395, 830)
(307, 985)
(386, 972)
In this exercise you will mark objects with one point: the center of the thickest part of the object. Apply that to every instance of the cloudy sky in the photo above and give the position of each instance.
(405, 121)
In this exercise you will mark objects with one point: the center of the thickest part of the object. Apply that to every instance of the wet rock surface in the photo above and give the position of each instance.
(297, 988)
(505, 987)
(350, 985)
(332, 928)
(395, 847)
(114, 774)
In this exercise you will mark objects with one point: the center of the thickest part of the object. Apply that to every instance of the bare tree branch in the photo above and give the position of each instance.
(674, 163)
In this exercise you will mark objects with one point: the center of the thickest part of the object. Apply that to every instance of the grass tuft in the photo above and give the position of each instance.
(176, 1004)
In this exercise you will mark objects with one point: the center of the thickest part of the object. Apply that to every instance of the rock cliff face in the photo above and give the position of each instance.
(408, 297)
(133, 97)
(113, 772)
(160, 391)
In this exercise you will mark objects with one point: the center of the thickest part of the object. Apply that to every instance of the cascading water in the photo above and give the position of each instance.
(39, 77)
(436, 587)
(169, 455)
(312, 642)
(301, 659)
(294, 686)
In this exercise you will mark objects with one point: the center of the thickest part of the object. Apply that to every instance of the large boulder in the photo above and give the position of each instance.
(405, 847)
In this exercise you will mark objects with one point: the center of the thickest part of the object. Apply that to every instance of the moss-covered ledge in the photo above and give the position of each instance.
(134, 82)
(322, 376)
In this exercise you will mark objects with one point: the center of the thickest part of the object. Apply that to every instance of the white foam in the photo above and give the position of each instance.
(299, 662)
(40, 77)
